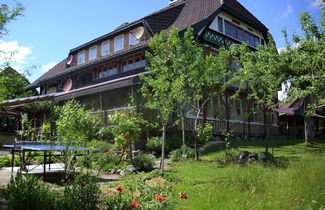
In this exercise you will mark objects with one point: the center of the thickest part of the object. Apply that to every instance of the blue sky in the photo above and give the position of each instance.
(48, 29)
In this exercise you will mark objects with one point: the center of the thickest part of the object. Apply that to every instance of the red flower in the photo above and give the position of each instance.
(119, 188)
(134, 204)
(182, 195)
(83, 184)
(159, 197)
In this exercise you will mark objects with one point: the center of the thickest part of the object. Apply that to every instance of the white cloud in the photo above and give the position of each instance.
(316, 3)
(47, 67)
(12, 52)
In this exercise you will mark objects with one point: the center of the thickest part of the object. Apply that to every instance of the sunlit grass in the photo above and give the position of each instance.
(298, 184)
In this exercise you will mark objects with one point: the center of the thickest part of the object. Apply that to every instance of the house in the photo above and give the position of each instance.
(103, 73)
(291, 118)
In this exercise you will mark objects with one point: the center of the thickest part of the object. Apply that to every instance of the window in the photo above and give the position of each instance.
(251, 40)
(119, 43)
(220, 24)
(240, 34)
(93, 53)
(227, 28)
(110, 71)
(105, 48)
(246, 37)
(257, 41)
(132, 39)
(81, 57)
(262, 41)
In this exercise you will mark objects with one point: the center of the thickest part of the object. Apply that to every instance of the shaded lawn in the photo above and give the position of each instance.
(298, 185)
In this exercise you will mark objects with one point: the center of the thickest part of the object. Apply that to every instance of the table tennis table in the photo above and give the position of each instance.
(48, 149)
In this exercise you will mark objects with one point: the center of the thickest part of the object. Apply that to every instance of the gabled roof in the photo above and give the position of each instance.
(182, 14)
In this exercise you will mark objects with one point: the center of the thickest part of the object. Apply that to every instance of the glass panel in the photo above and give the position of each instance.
(227, 28)
(240, 34)
(118, 45)
(92, 53)
(251, 40)
(246, 37)
(220, 24)
(124, 67)
(257, 41)
(105, 48)
(233, 31)
(132, 39)
(81, 57)
(130, 65)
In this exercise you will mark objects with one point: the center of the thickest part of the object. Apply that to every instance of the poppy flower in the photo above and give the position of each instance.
(182, 195)
(159, 197)
(119, 188)
(134, 204)
(83, 184)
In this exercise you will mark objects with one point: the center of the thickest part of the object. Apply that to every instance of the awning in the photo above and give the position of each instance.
(108, 85)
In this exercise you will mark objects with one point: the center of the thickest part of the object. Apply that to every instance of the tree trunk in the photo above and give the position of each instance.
(308, 127)
(227, 112)
(183, 127)
(196, 146)
(163, 139)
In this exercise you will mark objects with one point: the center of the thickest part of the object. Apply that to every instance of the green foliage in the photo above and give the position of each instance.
(75, 124)
(13, 84)
(127, 127)
(136, 190)
(29, 193)
(28, 132)
(204, 133)
(229, 137)
(7, 14)
(5, 161)
(154, 146)
(82, 193)
(105, 134)
(182, 154)
(144, 162)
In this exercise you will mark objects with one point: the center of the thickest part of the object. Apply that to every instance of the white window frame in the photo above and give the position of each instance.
(89, 53)
(103, 43)
(84, 57)
(115, 39)
(132, 38)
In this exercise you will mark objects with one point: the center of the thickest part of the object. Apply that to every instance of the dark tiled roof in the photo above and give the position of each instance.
(182, 14)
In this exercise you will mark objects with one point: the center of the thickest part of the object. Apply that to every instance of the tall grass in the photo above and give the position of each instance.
(297, 184)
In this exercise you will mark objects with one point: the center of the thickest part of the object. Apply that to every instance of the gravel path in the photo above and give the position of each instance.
(5, 175)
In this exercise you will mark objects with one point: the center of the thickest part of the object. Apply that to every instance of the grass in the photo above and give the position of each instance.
(298, 182)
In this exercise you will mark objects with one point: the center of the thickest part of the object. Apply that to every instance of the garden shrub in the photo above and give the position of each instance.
(5, 161)
(144, 162)
(82, 193)
(182, 153)
(154, 146)
(29, 193)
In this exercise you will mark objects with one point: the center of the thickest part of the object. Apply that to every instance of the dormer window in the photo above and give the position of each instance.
(93, 53)
(105, 48)
(81, 57)
(132, 39)
(119, 43)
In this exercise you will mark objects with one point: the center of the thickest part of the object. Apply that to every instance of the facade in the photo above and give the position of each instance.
(104, 73)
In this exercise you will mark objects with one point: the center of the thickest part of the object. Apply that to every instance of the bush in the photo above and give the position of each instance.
(182, 153)
(82, 193)
(154, 146)
(144, 162)
(5, 161)
(29, 193)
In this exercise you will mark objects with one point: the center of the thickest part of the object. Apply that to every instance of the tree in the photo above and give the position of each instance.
(305, 66)
(164, 85)
(13, 85)
(260, 76)
(126, 130)
(75, 127)
(7, 14)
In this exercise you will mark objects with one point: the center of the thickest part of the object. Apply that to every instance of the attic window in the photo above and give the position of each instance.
(93, 53)
(105, 48)
(220, 24)
(81, 57)
(119, 42)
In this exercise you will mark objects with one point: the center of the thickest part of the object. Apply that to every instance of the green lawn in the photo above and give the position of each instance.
(296, 182)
